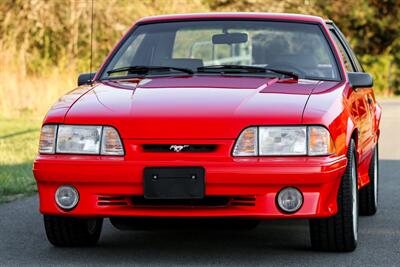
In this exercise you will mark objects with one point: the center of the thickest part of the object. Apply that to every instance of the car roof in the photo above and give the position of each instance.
(232, 15)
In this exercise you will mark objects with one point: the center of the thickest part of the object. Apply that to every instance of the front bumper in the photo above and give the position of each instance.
(106, 185)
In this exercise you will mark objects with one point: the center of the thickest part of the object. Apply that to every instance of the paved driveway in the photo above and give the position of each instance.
(23, 241)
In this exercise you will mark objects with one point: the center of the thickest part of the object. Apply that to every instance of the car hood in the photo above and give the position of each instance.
(191, 107)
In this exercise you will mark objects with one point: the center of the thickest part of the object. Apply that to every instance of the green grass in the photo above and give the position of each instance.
(18, 146)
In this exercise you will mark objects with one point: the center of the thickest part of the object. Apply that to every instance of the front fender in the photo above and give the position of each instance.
(330, 109)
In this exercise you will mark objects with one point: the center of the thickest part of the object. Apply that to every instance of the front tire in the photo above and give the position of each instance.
(339, 233)
(72, 232)
(369, 193)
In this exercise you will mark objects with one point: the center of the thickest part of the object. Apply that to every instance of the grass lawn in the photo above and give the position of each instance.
(18, 146)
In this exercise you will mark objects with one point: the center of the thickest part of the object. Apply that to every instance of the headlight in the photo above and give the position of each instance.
(77, 139)
(284, 141)
(80, 139)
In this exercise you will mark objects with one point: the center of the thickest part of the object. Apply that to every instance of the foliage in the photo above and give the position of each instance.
(39, 35)
(18, 146)
(44, 44)
(372, 26)
(385, 67)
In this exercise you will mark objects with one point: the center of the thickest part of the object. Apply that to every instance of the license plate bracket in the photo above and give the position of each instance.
(174, 182)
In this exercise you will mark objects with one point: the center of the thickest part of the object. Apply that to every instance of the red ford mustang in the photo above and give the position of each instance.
(239, 116)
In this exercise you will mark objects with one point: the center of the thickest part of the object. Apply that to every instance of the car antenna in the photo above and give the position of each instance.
(91, 46)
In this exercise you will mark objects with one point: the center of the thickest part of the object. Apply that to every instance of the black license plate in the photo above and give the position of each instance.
(174, 182)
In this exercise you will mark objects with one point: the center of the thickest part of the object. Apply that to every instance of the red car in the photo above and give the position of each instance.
(239, 116)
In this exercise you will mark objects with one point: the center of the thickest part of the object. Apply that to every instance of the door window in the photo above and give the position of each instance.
(343, 54)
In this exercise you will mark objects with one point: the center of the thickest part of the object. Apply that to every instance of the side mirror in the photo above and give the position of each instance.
(85, 78)
(360, 80)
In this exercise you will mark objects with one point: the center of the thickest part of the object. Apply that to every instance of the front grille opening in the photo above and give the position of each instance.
(244, 201)
(179, 148)
(217, 201)
(112, 201)
(209, 201)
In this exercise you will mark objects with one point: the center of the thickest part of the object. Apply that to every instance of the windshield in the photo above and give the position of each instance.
(298, 48)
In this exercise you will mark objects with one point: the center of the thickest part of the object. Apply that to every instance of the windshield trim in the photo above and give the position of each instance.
(202, 74)
(126, 37)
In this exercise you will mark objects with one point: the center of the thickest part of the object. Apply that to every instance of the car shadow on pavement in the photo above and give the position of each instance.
(197, 245)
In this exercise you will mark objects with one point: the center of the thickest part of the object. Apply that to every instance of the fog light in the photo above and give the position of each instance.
(289, 199)
(66, 197)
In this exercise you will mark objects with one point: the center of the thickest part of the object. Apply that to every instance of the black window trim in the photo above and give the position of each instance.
(140, 23)
(343, 47)
(349, 52)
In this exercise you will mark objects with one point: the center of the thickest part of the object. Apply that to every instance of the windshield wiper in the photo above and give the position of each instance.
(246, 69)
(290, 74)
(142, 70)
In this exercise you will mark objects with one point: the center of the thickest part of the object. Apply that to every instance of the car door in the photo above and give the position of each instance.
(363, 100)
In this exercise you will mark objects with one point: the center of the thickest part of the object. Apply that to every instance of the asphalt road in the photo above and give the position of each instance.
(23, 241)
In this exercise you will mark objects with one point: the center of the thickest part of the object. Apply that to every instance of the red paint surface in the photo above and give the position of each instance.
(211, 110)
